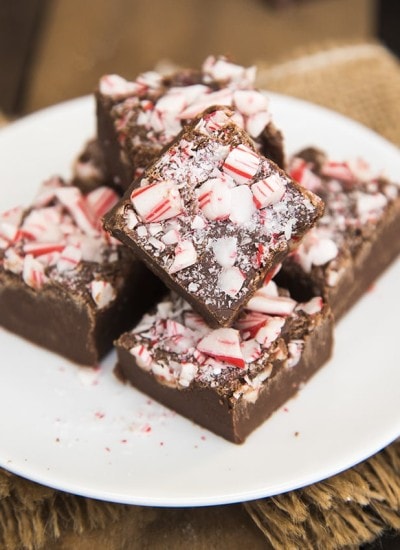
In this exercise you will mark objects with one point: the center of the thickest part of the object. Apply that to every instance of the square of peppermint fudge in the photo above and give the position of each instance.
(228, 380)
(211, 216)
(136, 119)
(65, 284)
(358, 235)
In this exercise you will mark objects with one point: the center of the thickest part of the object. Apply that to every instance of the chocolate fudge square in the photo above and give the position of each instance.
(64, 283)
(357, 237)
(228, 380)
(135, 120)
(211, 216)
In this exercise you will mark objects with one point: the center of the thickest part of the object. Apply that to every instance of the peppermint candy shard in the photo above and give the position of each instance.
(157, 201)
(102, 292)
(241, 164)
(185, 256)
(33, 272)
(255, 124)
(10, 222)
(230, 281)
(117, 87)
(311, 307)
(263, 302)
(142, 356)
(224, 345)
(250, 102)
(268, 191)
(101, 200)
(214, 198)
(73, 200)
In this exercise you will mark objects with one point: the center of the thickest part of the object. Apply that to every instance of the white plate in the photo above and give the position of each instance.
(82, 431)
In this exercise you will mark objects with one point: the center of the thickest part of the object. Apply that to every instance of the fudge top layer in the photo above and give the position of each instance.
(150, 111)
(211, 216)
(59, 240)
(176, 345)
(355, 201)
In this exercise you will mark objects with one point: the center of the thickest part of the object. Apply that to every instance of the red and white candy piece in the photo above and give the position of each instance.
(370, 205)
(187, 374)
(250, 102)
(115, 86)
(10, 222)
(33, 272)
(225, 251)
(43, 225)
(166, 112)
(131, 219)
(174, 101)
(219, 69)
(173, 328)
(180, 343)
(241, 164)
(91, 248)
(198, 222)
(315, 250)
(242, 205)
(311, 307)
(250, 322)
(221, 97)
(196, 322)
(101, 200)
(75, 203)
(149, 79)
(270, 331)
(338, 170)
(171, 237)
(192, 93)
(263, 302)
(255, 124)
(142, 355)
(46, 192)
(102, 293)
(251, 350)
(268, 191)
(156, 202)
(40, 248)
(214, 198)
(224, 345)
(301, 172)
(213, 122)
(69, 258)
(360, 169)
(231, 280)
(13, 262)
(185, 256)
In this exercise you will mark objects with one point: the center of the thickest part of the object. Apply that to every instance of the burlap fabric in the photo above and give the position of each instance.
(361, 81)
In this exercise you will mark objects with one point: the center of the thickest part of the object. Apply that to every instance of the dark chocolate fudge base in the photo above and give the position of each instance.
(231, 419)
(70, 325)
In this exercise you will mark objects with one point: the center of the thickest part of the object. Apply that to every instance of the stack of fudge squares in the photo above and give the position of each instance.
(187, 240)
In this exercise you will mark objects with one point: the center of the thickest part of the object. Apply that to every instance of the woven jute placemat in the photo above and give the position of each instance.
(361, 81)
